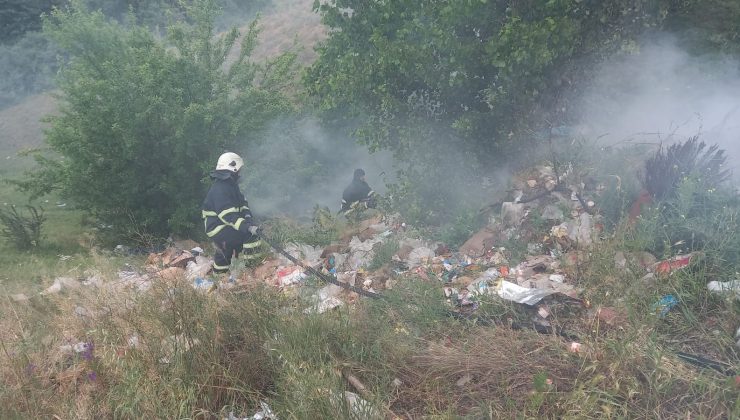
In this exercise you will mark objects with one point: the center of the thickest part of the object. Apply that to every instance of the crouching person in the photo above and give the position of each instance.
(227, 218)
(358, 195)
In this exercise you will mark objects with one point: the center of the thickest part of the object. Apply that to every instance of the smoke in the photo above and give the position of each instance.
(663, 94)
(297, 165)
(657, 95)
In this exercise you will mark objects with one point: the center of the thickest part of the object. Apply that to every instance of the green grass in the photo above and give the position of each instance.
(63, 234)
(236, 349)
(243, 348)
(384, 254)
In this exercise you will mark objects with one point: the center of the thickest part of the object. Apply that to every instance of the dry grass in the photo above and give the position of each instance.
(228, 351)
(192, 353)
(290, 25)
(502, 370)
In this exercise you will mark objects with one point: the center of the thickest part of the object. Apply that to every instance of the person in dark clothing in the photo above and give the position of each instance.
(358, 194)
(226, 216)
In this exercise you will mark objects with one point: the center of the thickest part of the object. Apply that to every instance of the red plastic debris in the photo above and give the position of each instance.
(673, 264)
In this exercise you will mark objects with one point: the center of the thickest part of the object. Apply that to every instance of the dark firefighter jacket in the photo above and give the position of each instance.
(225, 207)
(357, 192)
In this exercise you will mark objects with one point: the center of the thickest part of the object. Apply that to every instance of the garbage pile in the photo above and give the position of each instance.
(172, 264)
(554, 217)
(481, 267)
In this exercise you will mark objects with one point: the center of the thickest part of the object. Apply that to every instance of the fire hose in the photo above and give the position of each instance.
(367, 293)
(317, 273)
(693, 359)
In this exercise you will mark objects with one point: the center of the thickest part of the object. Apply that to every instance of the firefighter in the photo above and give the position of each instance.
(227, 218)
(358, 195)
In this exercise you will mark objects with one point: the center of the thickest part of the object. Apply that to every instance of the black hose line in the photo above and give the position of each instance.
(317, 273)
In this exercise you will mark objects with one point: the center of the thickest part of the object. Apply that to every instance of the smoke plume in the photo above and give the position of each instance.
(662, 94)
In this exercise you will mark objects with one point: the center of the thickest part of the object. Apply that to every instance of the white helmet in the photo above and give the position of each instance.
(230, 162)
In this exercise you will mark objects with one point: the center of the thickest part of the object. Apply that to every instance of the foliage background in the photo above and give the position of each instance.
(143, 119)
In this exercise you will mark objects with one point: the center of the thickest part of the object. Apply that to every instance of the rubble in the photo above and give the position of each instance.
(202, 284)
(580, 230)
(308, 254)
(564, 231)
(20, 297)
(61, 283)
(480, 272)
(133, 280)
(264, 413)
(290, 275)
(177, 259)
(420, 256)
(512, 214)
(199, 267)
(360, 252)
(329, 303)
(479, 243)
(515, 293)
(664, 305)
(171, 273)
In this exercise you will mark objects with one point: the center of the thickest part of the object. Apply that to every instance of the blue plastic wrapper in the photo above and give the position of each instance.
(664, 305)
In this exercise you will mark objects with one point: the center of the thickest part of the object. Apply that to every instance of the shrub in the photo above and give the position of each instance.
(23, 231)
(695, 219)
(144, 119)
(668, 167)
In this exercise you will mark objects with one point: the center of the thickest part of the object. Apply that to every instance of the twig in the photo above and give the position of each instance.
(362, 390)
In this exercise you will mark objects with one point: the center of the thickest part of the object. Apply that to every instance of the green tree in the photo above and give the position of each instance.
(143, 120)
(477, 69)
(706, 26)
(450, 86)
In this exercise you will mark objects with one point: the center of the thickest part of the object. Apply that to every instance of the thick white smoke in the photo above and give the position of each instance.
(298, 165)
(664, 94)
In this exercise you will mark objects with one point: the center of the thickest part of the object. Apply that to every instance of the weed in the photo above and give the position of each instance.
(323, 231)
(665, 170)
(23, 231)
(463, 225)
(383, 254)
(694, 220)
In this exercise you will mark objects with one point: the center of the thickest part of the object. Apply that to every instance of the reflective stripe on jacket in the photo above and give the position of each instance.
(225, 208)
(358, 191)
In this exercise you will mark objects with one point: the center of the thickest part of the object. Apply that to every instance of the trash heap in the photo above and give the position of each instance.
(480, 267)
(557, 224)
(172, 264)
(554, 218)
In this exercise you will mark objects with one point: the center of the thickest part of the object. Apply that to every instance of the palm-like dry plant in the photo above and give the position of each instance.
(665, 170)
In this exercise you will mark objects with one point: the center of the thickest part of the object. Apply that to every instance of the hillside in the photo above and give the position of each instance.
(288, 24)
